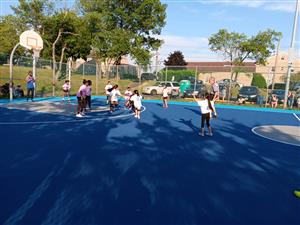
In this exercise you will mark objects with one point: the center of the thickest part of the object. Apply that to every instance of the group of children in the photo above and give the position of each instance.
(133, 100)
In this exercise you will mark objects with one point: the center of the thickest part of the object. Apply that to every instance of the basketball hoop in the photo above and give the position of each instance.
(31, 40)
(36, 52)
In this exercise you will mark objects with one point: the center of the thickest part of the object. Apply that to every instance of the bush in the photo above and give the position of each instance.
(178, 75)
(259, 81)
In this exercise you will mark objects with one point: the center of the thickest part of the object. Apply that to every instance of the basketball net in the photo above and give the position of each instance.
(36, 52)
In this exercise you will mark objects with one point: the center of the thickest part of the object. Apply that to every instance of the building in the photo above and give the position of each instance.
(222, 70)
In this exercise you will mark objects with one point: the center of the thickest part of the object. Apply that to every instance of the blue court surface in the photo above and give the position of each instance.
(110, 168)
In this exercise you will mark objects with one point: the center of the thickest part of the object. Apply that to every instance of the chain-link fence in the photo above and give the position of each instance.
(247, 84)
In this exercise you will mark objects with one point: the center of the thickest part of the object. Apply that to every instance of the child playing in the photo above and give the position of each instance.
(137, 102)
(66, 90)
(81, 95)
(88, 94)
(165, 96)
(127, 94)
(114, 94)
(207, 108)
(107, 88)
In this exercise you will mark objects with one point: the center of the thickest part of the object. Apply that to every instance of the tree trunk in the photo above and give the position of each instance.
(61, 60)
(54, 61)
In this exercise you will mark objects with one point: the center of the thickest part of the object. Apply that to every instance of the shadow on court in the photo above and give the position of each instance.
(153, 171)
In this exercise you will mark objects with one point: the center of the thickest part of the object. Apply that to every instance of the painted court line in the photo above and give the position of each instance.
(69, 121)
(284, 142)
(296, 117)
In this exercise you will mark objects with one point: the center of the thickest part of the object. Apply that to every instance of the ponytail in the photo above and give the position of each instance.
(207, 97)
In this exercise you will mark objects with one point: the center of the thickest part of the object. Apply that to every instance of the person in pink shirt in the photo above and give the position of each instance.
(81, 98)
(89, 94)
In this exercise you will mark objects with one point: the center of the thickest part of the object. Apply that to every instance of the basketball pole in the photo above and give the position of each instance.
(287, 85)
(11, 96)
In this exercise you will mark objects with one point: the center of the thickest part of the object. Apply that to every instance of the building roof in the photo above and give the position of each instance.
(207, 67)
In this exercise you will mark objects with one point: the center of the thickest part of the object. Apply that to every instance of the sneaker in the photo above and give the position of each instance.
(83, 114)
(201, 134)
(135, 116)
(138, 117)
(79, 115)
(210, 134)
(297, 194)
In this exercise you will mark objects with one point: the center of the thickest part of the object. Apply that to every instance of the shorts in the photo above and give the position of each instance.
(138, 108)
(66, 91)
(165, 97)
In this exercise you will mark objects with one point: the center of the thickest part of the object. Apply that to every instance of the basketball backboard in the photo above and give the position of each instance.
(31, 40)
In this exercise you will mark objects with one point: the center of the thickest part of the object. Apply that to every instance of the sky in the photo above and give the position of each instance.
(190, 23)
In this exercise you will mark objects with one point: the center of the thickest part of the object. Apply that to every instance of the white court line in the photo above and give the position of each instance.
(69, 121)
(284, 142)
(296, 117)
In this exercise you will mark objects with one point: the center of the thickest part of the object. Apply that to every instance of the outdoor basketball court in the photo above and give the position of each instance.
(110, 168)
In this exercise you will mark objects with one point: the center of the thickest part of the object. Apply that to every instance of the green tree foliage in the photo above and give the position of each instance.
(121, 27)
(34, 13)
(9, 31)
(237, 47)
(175, 59)
(259, 80)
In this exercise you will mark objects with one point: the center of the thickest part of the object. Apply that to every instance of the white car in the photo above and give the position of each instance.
(158, 88)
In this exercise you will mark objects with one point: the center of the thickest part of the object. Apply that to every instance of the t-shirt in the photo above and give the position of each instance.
(137, 101)
(127, 94)
(114, 95)
(82, 91)
(30, 82)
(108, 86)
(215, 87)
(204, 106)
(88, 90)
(66, 87)
(165, 93)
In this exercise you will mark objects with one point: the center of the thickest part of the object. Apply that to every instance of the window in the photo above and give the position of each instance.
(282, 58)
(168, 85)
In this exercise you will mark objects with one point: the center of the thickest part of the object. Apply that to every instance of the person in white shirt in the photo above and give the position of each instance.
(165, 96)
(108, 88)
(207, 108)
(137, 102)
(66, 90)
(127, 94)
(114, 95)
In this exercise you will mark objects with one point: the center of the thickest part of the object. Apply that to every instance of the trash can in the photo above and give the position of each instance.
(184, 84)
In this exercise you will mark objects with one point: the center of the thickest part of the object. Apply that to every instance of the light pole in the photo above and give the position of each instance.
(287, 85)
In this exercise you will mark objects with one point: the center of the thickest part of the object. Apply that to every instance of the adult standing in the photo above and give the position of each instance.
(30, 83)
(215, 90)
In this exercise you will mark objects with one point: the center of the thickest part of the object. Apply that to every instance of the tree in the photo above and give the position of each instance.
(121, 27)
(237, 47)
(175, 59)
(33, 13)
(9, 33)
(258, 80)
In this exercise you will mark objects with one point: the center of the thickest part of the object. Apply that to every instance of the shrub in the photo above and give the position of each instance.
(178, 75)
(258, 80)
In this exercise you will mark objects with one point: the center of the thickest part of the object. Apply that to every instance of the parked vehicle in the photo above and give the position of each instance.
(279, 94)
(226, 82)
(199, 91)
(172, 87)
(280, 86)
(296, 87)
(248, 93)
(148, 76)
